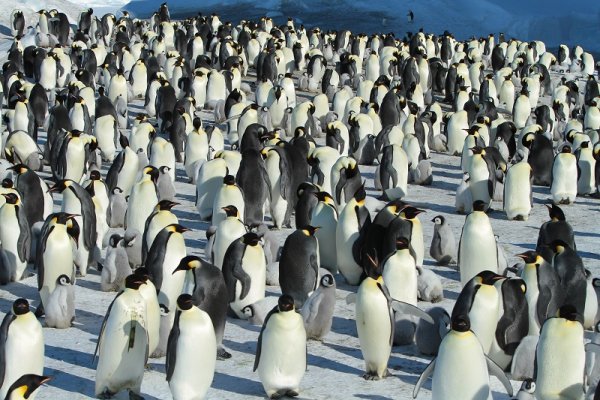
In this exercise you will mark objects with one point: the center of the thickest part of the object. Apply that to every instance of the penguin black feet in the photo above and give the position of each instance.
(372, 376)
(284, 393)
(106, 394)
(223, 354)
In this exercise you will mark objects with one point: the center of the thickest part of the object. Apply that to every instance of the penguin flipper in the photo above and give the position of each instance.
(340, 185)
(24, 241)
(8, 319)
(406, 308)
(259, 342)
(312, 305)
(494, 369)
(241, 275)
(285, 182)
(171, 358)
(314, 264)
(424, 375)
(104, 325)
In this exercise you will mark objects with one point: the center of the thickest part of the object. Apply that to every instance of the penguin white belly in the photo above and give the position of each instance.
(416, 241)
(228, 231)
(477, 249)
(591, 306)
(283, 353)
(255, 265)
(77, 117)
(400, 277)
(517, 191)
(532, 294)
(456, 133)
(20, 121)
(9, 238)
(374, 327)
(210, 177)
(278, 205)
(227, 196)
(478, 184)
(561, 361)
(460, 369)
(24, 350)
(105, 134)
(48, 74)
(172, 283)
(160, 221)
(326, 218)
(75, 159)
(143, 196)
(148, 293)
(346, 233)
(120, 367)
(58, 260)
(127, 176)
(564, 179)
(196, 356)
(484, 315)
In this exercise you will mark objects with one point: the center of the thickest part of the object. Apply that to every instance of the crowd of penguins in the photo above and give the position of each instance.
(517, 115)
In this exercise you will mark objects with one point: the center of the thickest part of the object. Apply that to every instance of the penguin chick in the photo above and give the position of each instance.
(422, 174)
(317, 311)
(257, 312)
(443, 242)
(527, 391)
(429, 286)
(522, 366)
(429, 336)
(164, 184)
(116, 265)
(117, 208)
(60, 310)
(463, 199)
(132, 241)
(404, 330)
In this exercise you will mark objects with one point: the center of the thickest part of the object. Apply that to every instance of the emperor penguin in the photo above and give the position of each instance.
(443, 242)
(192, 339)
(391, 175)
(60, 308)
(317, 311)
(25, 387)
(207, 286)
(325, 216)
(210, 178)
(244, 270)
(564, 177)
(153, 314)
(18, 356)
(122, 347)
(34, 192)
(116, 265)
(277, 165)
(353, 222)
(482, 176)
(228, 194)
(408, 226)
(142, 200)
(15, 238)
(299, 264)
(518, 193)
(453, 378)
(477, 248)
(161, 217)
(586, 164)
(253, 179)
(560, 357)
(123, 171)
(399, 272)
(558, 228)
(228, 230)
(281, 350)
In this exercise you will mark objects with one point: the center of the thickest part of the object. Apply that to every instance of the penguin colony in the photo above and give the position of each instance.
(278, 127)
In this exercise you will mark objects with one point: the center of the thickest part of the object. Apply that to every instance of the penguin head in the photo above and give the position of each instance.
(558, 246)
(11, 198)
(185, 302)
(177, 228)
(285, 303)
(165, 205)
(479, 205)
(310, 230)
(152, 171)
(569, 312)
(20, 307)
(229, 180)
(7, 183)
(63, 280)
(566, 149)
(410, 212)
(19, 168)
(439, 220)
(473, 130)
(26, 385)
(60, 186)
(250, 239)
(325, 198)
(402, 243)
(478, 150)
(188, 263)
(360, 195)
(460, 323)
(248, 311)
(115, 240)
(231, 211)
(142, 273)
(395, 206)
(530, 257)
(488, 277)
(555, 212)
(528, 386)
(327, 280)
(133, 282)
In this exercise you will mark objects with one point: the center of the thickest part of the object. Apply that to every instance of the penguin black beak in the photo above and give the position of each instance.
(53, 189)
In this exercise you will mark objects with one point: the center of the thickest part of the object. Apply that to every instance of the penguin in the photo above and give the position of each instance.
(558, 228)
(544, 293)
(482, 176)
(281, 350)
(253, 179)
(122, 346)
(18, 356)
(60, 308)
(399, 271)
(25, 387)
(165, 186)
(560, 356)
(210, 178)
(443, 242)
(317, 311)
(428, 337)
(191, 339)
(161, 217)
(142, 200)
(325, 216)
(299, 264)
(307, 201)
(540, 157)
(244, 270)
(15, 238)
(278, 168)
(228, 230)
(408, 226)
(518, 193)
(153, 314)
(345, 180)
(571, 273)
(34, 191)
(207, 286)
(586, 164)
(353, 223)
(228, 194)
(563, 187)
(453, 378)
(391, 175)
(123, 171)
(477, 248)
(116, 265)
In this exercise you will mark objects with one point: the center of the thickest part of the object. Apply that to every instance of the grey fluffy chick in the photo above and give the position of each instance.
(429, 286)
(133, 246)
(257, 312)
(317, 311)
(117, 208)
(60, 310)
(164, 185)
(429, 336)
(443, 242)
(116, 265)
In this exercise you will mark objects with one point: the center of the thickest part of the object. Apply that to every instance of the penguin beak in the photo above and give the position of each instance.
(53, 189)
(179, 268)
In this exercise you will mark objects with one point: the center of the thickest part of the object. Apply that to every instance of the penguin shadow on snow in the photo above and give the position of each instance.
(69, 382)
(236, 384)
(343, 326)
(314, 360)
(586, 234)
(248, 347)
(348, 351)
(70, 356)
(19, 289)
(243, 324)
(87, 322)
(371, 397)
(434, 208)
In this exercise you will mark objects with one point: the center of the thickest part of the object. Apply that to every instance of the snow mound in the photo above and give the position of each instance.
(31, 7)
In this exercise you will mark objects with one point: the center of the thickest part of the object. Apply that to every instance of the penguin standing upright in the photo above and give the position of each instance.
(161, 217)
(228, 194)
(253, 179)
(116, 265)
(244, 270)
(142, 200)
(21, 345)
(518, 195)
(443, 243)
(15, 238)
(34, 192)
(325, 216)
(280, 182)
(228, 230)
(281, 350)
(60, 308)
(207, 286)
(192, 338)
(123, 343)
(564, 177)
(477, 249)
(318, 309)
(299, 264)
(558, 228)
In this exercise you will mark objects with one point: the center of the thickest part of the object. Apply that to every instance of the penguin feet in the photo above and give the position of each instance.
(135, 396)
(223, 354)
(372, 376)
(284, 393)
(106, 394)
